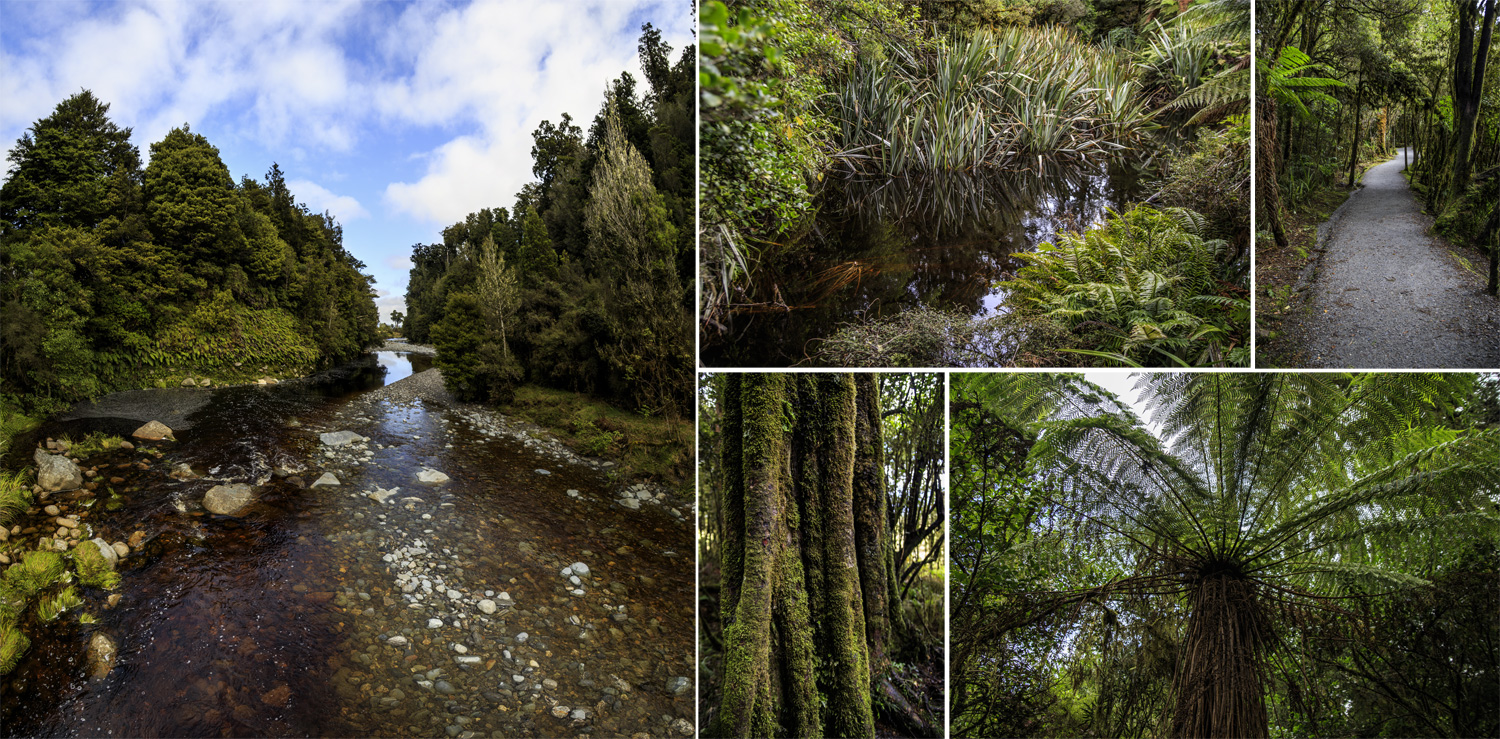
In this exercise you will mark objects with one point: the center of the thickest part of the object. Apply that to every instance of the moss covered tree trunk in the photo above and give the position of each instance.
(805, 594)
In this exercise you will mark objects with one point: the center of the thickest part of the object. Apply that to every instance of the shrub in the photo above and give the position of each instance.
(1143, 288)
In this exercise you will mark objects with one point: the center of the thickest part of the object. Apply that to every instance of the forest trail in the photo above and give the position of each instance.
(1388, 295)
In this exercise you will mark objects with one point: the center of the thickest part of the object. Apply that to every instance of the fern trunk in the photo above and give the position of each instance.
(1219, 687)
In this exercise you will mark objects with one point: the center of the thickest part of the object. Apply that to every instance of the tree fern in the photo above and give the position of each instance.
(1255, 499)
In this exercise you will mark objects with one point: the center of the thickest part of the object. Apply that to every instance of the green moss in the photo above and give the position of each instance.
(794, 628)
(94, 443)
(93, 569)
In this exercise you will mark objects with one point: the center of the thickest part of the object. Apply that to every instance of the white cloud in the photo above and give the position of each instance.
(558, 59)
(400, 262)
(319, 199)
(160, 64)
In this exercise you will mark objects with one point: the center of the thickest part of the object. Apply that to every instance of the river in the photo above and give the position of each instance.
(321, 611)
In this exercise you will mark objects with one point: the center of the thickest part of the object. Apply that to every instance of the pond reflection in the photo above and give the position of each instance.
(893, 244)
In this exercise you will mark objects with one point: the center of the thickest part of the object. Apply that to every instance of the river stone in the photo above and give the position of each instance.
(579, 568)
(677, 685)
(380, 494)
(683, 727)
(326, 479)
(522, 637)
(560, 711)
(433, 476)
(50, 510)
(340, 438)
(108, 551)
(189, 382)
(487, 605)
(226, 500)
(397, 641)
(120, 548)
(154, 431)
(183, 471)
(101, 655)
(434, 623)
(56, 473)
(631, 503)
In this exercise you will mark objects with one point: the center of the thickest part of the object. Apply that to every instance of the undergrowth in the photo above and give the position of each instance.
(652, 447)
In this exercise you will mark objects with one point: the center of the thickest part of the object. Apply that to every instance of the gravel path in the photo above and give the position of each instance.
(1390, 296)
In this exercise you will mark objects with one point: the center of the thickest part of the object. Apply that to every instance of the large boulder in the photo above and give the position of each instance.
(102, 654)
(340, 438)
(432, 476)
(227, 500)
(154, 431)
(56, 473)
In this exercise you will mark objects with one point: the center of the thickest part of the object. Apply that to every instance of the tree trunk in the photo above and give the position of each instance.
(1218, 682)
(797, 648)
(869, 521)
(1468, 85)
(1359, 93)
(1268, 194)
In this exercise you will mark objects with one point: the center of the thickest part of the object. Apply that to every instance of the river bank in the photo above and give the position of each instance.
(407, 567)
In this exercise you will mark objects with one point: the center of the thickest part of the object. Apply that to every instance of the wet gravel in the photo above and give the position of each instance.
(1390, 296)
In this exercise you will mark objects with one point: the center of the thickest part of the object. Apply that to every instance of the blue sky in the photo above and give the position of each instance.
(400, 118)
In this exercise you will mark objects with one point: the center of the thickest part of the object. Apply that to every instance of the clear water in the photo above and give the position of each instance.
(276, 622)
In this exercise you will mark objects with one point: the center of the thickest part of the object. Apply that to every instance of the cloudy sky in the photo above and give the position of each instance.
(400, 118)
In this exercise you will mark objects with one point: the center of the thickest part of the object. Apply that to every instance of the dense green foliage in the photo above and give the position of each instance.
(1145, 283)
(584, 284)
(1226, 555)
(844, 109)
(115, 275)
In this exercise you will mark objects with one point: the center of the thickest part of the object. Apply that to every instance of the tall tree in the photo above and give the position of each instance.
(633, 245)
(803, 560)
(1255, 501)
(191, 203)
(72, 168)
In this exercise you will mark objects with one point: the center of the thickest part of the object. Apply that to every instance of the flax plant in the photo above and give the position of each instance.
(994, 100)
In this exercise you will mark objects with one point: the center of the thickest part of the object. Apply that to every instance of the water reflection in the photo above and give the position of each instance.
(401, 365)
(895, 243)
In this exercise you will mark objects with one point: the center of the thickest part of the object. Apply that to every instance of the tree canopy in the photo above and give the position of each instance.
(117, 276)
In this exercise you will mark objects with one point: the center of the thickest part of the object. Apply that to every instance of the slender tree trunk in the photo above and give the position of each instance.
(1468, 84)
(1359, 93)
(1268, 193)
(797, 650)
(869, 521)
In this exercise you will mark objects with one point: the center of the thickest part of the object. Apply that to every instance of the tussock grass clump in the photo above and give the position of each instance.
(50, 607)
(13, 644)
(34, 573)
(15, 495)
(992, 99)
(92, 444)
(93, 569)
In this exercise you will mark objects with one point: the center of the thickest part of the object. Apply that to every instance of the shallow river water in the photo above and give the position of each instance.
(326, 611)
